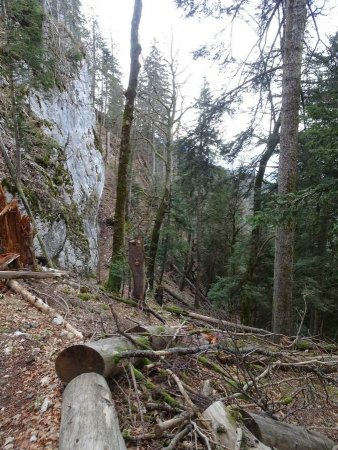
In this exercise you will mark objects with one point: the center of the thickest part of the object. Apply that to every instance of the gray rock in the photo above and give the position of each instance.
(58, 320)
(46, 405)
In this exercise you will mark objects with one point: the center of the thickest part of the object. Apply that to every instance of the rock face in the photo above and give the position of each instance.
(68, 117)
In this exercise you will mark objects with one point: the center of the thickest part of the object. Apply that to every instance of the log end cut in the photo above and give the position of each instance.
(76, 360)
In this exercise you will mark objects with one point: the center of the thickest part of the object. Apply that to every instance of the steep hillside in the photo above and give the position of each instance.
(292, 383)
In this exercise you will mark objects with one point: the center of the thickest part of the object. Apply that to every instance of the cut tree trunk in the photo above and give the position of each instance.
(88, 417)
(283, 435)
(96, 356)
(136, 263)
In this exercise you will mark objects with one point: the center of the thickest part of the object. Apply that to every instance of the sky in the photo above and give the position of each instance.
(161, 19)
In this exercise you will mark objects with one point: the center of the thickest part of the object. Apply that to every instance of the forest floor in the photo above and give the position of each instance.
(294, 389)
(31, 393)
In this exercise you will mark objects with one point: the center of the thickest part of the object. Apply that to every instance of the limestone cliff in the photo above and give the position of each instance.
(70, 120)
(62, 168)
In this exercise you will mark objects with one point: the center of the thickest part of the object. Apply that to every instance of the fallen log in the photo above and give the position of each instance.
(96, 356)
(159, 336)
(42, 306)
(228, 432)
(225, 323)
(285, 436)
(130, 302)
(16, 274)
(88, 417)
(175, 296)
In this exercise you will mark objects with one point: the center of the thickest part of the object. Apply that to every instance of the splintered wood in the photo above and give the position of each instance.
(16, 234)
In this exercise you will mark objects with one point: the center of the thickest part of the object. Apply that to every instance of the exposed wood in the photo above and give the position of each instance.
(96, 356)
(88, 417)
(16, 274)
(6, 259)
(25, 203)
(42, 306)
(283, 435)
(16, 232)
(136, 263)
(224, 426)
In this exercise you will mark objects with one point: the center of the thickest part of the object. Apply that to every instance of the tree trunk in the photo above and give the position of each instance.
(295, 21)
(114, 281)
(136, 262)
(88, 417)
(155, 236)
(247, 309)
(198, 283)
(187, 263)
(96, 356)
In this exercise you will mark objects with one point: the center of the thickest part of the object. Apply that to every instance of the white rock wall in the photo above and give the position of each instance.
(71, 120)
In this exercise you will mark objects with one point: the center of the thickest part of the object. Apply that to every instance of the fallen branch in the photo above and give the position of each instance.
(179, 436)
(41, 306)
(160, 428)
(135, 305)
(152, 354)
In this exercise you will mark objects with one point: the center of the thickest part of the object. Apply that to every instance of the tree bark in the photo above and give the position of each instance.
(88, 417)
(155, 236)
(114, 281)
(295, 21)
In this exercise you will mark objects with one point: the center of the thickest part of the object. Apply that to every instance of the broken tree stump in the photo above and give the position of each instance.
(136, 263)
(16, 232)
(88, 417)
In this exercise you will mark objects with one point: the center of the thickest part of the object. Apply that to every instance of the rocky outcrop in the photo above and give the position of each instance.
(69, 225)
